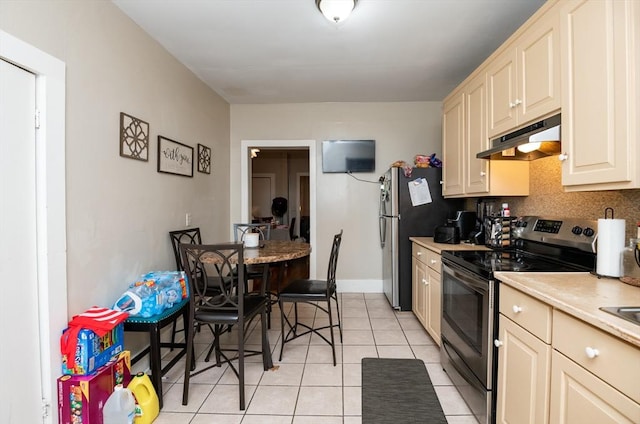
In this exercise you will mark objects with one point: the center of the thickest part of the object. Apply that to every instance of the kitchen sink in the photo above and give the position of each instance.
(630, 313)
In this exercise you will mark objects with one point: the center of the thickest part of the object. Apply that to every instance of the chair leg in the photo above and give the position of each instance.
(241, 363)
(187, 372)
(155, 360)
(173, 334)
(338, 312)
(282, 319)
(333, 343)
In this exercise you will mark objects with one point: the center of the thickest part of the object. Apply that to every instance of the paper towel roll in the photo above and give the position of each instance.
(610, 246)
(253, 239)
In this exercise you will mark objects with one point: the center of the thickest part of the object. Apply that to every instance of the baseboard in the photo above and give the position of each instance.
(359, 286)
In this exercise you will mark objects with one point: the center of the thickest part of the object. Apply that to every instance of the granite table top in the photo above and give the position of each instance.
(271, 251)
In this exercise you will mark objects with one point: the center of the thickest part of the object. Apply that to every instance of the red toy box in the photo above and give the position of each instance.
(92, 351)
(81, 397)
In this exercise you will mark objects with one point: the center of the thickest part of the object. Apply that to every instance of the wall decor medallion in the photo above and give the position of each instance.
(134, 137)
(174, 158)
(204, 159)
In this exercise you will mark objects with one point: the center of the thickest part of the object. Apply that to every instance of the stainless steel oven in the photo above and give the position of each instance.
(470, 295)
(468, 324)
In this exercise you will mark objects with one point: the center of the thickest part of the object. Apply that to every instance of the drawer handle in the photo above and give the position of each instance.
(498, 343)
(517, 309)
(433, 261)
(591, 352)
(419, 253)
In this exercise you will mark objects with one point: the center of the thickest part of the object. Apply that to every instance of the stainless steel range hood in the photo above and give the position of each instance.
(537, 140)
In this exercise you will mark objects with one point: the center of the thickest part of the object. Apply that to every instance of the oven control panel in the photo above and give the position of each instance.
(570, 232)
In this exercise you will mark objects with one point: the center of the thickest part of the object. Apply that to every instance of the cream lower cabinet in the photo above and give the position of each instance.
(600, 94)
(595, 377)
(524, 359)
(427, 290)
(580, 375)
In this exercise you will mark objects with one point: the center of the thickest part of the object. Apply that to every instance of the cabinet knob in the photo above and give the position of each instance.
(498, 343)
(512, 105)
(518, 102)
(482, 173)
(424, 281)
(433, 261)
(562, 157)
(419, 253)
(591, 352)
(517, 309)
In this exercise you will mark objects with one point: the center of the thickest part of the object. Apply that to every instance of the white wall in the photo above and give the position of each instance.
(119, 210)
(401, 131)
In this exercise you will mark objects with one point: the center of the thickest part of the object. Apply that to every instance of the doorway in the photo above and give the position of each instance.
(308, 146)
(45, 190)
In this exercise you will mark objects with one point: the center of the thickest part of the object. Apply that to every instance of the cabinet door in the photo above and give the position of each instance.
(477, 180)
(434, 305)
(501, 93)
(419, 295)
(538, 66)
(598, 91)
(453, 145)
(577, 396)
(523, 376)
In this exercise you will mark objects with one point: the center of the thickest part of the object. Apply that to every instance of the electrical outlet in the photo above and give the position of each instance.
(187, 219)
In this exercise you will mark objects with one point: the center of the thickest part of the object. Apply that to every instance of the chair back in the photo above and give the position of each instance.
(333, 261)
(292, 228)
(240, 230)
(178, 237)
(217, 265)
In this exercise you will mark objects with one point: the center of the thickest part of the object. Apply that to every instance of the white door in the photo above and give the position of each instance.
(21, 390)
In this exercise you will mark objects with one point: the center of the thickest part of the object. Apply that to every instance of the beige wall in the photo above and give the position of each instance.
(120, 210)
(401, 131)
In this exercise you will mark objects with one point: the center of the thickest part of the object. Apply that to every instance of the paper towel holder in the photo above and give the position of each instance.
(606, 212)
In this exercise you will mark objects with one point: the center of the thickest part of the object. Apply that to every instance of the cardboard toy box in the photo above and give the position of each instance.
(82, 397)
(93, 352)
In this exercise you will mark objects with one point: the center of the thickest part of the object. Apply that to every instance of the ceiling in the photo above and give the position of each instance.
(285, 51)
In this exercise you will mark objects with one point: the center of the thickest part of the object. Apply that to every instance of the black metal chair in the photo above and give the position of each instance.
(231, 307)
(313, 292)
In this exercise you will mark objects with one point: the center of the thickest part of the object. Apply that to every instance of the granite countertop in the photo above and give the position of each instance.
(428, 243)
(580, 295)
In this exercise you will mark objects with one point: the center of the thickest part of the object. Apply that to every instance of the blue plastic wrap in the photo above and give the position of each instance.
(152, 293)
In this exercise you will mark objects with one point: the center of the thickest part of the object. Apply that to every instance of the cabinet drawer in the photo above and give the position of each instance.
(609, 358)
(527, 312)
(420, 253)
(434, 261)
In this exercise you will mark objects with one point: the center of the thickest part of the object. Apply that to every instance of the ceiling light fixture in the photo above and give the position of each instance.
(336, 10)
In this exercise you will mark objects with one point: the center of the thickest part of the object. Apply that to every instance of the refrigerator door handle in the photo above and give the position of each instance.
(383, 230)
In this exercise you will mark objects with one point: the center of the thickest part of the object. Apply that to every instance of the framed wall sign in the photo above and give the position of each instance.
(204, 159)
(174, 158)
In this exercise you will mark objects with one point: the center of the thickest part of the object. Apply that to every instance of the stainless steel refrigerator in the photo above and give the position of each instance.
(399, 220)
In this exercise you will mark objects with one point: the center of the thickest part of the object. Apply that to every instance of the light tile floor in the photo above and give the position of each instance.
(305, 387)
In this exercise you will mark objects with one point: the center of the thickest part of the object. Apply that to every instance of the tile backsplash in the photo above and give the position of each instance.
(547, 198)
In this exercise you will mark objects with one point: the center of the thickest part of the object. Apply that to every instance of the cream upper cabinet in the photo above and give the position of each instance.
(453, 145)
(600, 94)
(464, 125)
(523, 82)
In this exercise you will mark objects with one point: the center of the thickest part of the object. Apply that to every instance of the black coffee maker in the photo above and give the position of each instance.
(485, 209)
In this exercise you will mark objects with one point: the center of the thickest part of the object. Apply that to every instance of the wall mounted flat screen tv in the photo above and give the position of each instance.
(348, 156)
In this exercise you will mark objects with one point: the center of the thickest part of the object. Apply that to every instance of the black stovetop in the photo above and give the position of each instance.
(487, 262)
